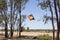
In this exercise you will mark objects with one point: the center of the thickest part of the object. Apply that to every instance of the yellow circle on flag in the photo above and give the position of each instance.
(31, 17)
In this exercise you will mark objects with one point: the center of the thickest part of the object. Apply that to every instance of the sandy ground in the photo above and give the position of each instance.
(31, 33)
(26, 34)
(34, 33)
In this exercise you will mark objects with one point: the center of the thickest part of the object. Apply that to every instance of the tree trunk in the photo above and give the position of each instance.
(20, 32)
(6, 31)
(52, 21)
(11, 31)
(53, 27)
(20, 19)
(20, 26)
(55, 7)
(59, 16)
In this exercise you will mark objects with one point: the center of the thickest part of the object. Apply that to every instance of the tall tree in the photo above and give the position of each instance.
(11, 11)
(58, 3)
(19, 4)
(45, 5)
(56, 12)
(3, 9)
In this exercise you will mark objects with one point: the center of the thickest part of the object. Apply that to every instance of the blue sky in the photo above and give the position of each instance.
(32, 8)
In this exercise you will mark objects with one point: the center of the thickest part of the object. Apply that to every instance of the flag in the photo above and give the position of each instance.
(30, 17)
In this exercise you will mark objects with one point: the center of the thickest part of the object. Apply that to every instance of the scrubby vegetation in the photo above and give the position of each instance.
(45, 37)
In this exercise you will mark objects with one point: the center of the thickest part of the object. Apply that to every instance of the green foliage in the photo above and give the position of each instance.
(3, 5)
(45, 37)
(4, 17)
(21, 4)
(44, 4)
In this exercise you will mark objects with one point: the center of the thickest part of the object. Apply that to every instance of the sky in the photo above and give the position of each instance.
(32, 8)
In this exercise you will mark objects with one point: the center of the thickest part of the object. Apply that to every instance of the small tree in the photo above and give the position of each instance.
(27, 28)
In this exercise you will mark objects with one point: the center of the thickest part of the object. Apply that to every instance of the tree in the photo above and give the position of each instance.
(3, 9)
(19, 5)
(58, 4)
(27, 28)
(45, 4)
(13, 15)
(11, 3)
(5, 19)
(16, 6)
(55, 7)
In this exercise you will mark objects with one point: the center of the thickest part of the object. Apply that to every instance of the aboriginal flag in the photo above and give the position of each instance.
(30, 17)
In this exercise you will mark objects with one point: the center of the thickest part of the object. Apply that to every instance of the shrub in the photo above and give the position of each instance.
(45, 37)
